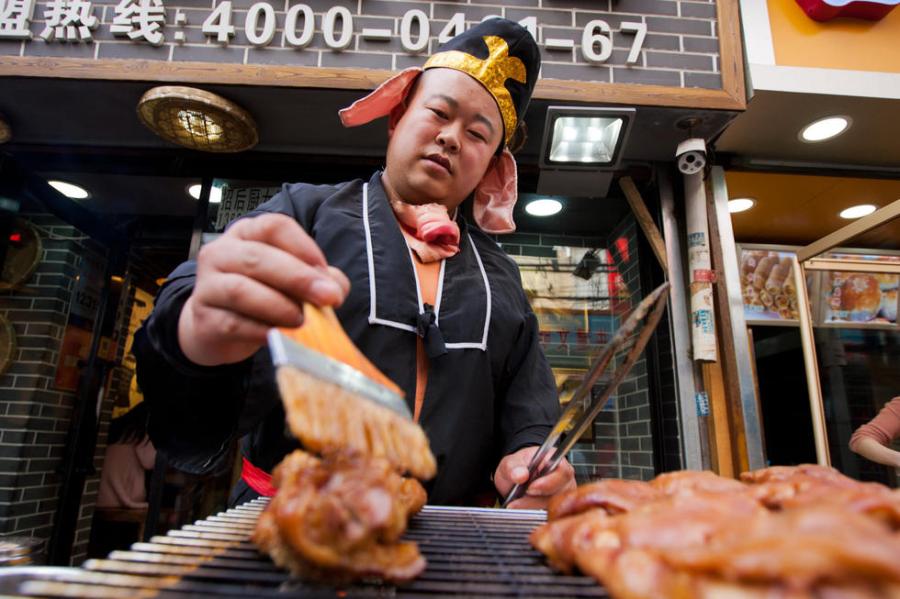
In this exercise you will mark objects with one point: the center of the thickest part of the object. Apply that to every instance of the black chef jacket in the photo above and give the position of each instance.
(490, 390)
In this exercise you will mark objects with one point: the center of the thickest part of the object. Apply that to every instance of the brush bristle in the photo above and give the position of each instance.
(326, 417)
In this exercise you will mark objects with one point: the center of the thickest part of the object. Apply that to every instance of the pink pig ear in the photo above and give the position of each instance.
(380, 102)
(496, 196)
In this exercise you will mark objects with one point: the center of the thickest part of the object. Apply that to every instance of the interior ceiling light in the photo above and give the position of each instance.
(740, 204)
(543, 207)
(197, 119)
(215, 194)
(823, 129)
(70, 190)
(858, 211)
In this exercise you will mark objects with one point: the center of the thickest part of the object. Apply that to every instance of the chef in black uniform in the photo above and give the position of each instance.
(469, 362)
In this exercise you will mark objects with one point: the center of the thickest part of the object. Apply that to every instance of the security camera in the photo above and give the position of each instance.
(691, 155)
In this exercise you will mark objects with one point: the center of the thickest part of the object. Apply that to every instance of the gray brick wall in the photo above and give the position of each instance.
(34, 416)
(622, 446)
(681, 48)
(633, 395)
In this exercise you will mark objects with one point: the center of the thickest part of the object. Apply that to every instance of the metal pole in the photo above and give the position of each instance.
(813, 384)
(732, 283)
(681, 335)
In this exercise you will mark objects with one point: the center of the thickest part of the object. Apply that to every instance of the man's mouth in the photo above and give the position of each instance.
(441, 160)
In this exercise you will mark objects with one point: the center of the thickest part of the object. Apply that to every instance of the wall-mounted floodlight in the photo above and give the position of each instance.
(581, 148)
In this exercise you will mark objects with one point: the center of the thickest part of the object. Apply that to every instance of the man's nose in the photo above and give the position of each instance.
(448, 138)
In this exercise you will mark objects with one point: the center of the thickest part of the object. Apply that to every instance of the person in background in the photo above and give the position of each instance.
(129, 455)
(872, 439)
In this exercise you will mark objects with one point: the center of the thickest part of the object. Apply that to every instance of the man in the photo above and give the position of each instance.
(432, 302)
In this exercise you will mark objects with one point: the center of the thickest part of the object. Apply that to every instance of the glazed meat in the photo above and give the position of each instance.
(791, 533)
(340, 518)
(670, 483)
(807, 552)
(780, 488)
(561, 540)
(613, 495)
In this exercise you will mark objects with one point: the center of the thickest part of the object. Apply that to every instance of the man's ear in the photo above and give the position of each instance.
(394, 117)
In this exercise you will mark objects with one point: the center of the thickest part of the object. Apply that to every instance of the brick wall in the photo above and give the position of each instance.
(622, 445)
(681, 47)
(35, 416)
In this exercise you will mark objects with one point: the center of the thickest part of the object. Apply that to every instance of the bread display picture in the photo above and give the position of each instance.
(861, 297)
(768, 285)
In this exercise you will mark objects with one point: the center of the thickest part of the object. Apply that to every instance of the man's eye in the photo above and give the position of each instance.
(478, 135)
(439, 113)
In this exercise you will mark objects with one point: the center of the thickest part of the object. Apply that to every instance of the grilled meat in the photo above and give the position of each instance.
(340, 518)
(806, 532)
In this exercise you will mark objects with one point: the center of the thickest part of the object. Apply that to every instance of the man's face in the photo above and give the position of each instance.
(440, 147)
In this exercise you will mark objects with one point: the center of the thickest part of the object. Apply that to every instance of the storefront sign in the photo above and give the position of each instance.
(237, 201)
(144, 21)
(825, 10)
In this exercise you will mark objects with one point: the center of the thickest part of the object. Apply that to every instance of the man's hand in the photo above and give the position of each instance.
(513, 469)
(254, 277)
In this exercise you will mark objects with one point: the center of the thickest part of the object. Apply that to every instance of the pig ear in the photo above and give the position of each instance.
(496, 195)
(380, 102)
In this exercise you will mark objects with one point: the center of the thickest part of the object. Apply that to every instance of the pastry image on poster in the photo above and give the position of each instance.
(855, 297)
(767, 283)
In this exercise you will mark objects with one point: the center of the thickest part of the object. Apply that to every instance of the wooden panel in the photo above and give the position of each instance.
(799, 209)
(720, 434)
(726, 350)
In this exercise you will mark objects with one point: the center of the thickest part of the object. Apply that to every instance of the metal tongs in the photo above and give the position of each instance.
(583, 407)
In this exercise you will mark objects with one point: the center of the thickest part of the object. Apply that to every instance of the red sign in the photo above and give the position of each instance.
(825, 10)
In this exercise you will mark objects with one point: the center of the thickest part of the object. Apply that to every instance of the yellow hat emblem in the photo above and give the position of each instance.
(492, 73)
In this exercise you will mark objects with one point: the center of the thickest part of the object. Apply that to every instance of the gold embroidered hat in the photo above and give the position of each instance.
(503, 57)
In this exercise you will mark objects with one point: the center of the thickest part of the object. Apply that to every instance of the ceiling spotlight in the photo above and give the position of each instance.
(215, 194)
(740, 204)
(197, 119)
(823, 129)
(70, 190)
(543, 207)
(858, 211)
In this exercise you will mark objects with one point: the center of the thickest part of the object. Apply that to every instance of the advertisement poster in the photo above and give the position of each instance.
(575, 295)
(767, 283)
(867, 298)
(73, 354)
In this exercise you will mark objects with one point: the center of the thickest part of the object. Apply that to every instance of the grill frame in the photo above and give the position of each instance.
(470, 551)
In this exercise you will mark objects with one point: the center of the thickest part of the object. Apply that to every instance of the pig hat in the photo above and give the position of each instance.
(503, 57)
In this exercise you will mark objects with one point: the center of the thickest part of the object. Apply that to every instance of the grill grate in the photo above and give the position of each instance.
(470, 551)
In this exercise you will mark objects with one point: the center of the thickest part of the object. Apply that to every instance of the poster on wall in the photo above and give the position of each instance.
(860, 298)
(73, 355)
(767, 284)
(576, 295)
